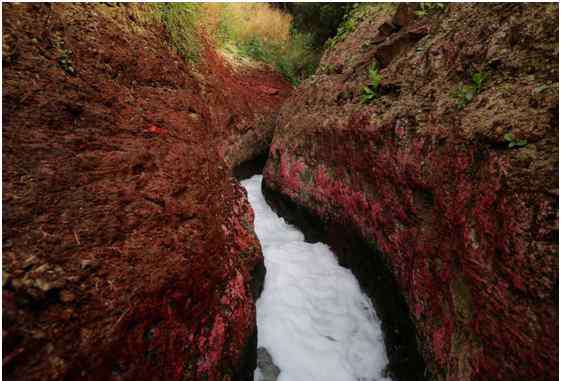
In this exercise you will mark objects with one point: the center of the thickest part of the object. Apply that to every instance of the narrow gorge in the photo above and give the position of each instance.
(287, 191)
(312, 316)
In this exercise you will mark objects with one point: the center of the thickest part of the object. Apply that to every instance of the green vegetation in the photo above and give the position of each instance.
(327, 68)
(371, 243)
(295, 60)
(371, 91)
(348, 25)
(477, 78)
(64, 54)
(288, 36)
(513, 142)
(256, 31)
(465, 93)
(429, 8)
(65, 61)
(354, 16)
(319, 20)
(265, 34)
(180, 21)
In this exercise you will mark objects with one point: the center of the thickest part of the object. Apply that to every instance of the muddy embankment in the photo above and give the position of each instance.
(455, 189)
(128, 247)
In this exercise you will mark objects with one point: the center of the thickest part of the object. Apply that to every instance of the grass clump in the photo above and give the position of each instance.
(295, 60)
(245, 22)
(371, 91)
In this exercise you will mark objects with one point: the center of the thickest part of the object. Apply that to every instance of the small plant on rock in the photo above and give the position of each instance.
(428, 8)
(465, 93)
(513, 142)
(65, 61)
(371, 92)
(477, 78)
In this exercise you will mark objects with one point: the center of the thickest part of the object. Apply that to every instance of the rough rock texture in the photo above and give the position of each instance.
(128, 248)
(467, 224)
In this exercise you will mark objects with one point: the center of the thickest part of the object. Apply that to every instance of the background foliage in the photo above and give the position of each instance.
(288, 36)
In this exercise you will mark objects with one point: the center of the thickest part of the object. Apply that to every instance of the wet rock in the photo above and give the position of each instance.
(428, 181)
(269, 371)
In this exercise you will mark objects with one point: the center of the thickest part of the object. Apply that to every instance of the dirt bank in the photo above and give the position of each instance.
(128, 247)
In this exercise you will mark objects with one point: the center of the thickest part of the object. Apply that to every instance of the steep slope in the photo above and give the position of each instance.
(128, 248)
(456, 189)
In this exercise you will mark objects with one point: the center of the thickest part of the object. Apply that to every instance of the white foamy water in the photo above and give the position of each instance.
(312, 316)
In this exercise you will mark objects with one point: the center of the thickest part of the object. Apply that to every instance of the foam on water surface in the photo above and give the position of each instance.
(312, 316)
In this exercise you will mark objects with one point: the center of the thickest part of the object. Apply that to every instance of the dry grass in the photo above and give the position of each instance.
(259, 31)
(248, 31)
(257, 20)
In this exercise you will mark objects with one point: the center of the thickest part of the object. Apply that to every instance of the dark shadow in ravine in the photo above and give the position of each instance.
(251, 167)
(248, 359)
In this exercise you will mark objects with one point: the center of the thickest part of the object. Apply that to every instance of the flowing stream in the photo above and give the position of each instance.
(312, 317)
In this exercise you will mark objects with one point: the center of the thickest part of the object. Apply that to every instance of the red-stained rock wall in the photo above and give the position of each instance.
(128, 248)
(468, 225)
